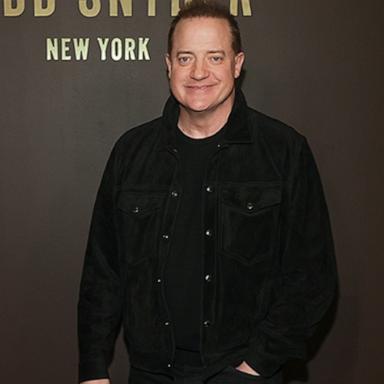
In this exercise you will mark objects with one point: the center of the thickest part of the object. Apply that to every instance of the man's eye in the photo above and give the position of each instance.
(216, 59)
(183, 59)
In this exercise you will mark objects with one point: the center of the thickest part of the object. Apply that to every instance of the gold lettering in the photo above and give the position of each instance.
(103, 43)
(81, 47)
(151, 7)
(89, 12)
(17, 10)
(92, 8)
(65, 56)
(175, 6)
(52, 49)
(116, 49)
(126, 7)
(44, 11)
(130, 46)
(143, 50)
(245, 5)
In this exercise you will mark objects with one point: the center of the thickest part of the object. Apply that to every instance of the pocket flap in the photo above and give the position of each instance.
(138, 203)
(251, 197)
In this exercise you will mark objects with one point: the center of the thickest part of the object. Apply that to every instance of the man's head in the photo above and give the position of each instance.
(206, 8)
(204, 56)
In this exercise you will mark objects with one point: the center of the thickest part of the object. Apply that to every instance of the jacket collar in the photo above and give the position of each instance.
(235, 130)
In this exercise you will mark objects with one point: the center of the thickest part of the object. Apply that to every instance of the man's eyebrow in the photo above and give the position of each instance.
(217, 51)
(184, 53)
(191, 53)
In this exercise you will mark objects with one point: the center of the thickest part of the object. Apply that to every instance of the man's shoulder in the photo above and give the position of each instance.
(281, 141)
(273, 130)
(134, 136)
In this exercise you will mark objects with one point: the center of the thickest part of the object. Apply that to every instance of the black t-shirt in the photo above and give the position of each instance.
(184, 268)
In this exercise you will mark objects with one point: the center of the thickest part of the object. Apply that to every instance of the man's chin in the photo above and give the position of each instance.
(198, 108)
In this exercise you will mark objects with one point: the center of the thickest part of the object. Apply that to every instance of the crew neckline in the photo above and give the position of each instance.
(201, 140)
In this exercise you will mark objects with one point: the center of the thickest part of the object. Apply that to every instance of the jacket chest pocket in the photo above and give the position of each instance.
(138, 221)
(249, 216)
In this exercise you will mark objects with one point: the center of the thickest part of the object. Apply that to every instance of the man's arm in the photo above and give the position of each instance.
(100, 298)
(304, 284)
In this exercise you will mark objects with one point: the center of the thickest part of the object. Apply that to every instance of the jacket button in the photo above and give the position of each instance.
(206, 323)
(209, 188)
(169, 365)
(166, 323)
(174, 149)
(158, 280)
(219, 145)
(136, 210)
(208, 232)
(174, 194)
(208, 278)
(165, 236)
(250, 206)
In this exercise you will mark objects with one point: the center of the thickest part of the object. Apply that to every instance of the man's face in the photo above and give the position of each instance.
(202, 66)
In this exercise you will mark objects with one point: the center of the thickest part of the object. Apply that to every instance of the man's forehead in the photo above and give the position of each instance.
(202, 32)
(196, 25)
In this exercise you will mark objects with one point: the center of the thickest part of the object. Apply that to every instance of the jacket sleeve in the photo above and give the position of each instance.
(100, 299)
(303, 285)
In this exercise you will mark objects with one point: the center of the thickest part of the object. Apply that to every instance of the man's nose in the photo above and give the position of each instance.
(199, 70)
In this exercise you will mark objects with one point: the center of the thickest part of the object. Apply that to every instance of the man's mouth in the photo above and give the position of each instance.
(199, 87)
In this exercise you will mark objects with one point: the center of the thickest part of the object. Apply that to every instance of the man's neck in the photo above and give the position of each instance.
(203, 124)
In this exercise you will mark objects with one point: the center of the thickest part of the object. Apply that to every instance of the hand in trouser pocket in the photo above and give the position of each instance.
(231, 375)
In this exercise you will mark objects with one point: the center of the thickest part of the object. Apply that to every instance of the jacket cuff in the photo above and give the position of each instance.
(265, 366)
(93, 370)
(266, 362)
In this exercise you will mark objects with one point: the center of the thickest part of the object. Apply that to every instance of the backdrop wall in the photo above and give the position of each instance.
(317, 65)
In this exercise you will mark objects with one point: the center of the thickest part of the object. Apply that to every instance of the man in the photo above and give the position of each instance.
(210, 239)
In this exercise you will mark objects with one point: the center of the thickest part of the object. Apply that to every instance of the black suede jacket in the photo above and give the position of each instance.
(269, 265)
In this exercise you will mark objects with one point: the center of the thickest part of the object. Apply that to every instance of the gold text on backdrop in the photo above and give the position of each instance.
(92, 8)
(115, 49)
(16, 8)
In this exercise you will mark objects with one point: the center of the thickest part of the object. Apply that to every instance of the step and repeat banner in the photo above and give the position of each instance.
(76, 74)
(128, 48)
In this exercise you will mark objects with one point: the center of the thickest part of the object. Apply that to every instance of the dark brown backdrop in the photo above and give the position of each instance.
(316, 65)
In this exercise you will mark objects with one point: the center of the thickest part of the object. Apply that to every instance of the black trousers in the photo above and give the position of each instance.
(228, 375)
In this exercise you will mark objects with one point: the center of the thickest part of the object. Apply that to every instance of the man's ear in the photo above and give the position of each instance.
(239, 60)
(169, 64)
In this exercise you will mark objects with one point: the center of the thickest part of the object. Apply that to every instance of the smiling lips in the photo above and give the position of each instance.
(200, 87)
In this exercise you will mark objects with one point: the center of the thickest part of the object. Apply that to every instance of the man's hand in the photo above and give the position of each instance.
(98, 381)
(244, 367)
